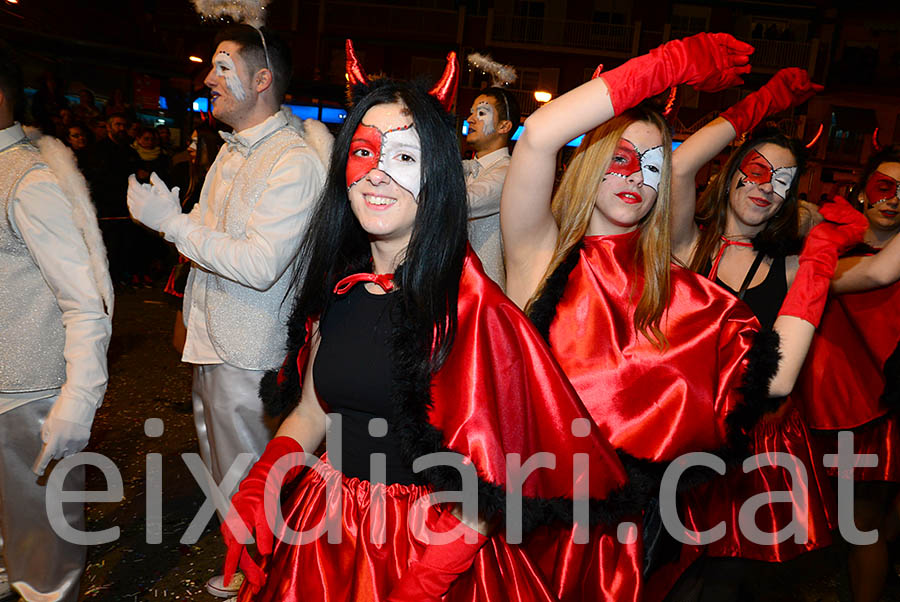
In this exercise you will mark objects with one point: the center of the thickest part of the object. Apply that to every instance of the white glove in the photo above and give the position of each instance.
(62, 437)
(153, 205)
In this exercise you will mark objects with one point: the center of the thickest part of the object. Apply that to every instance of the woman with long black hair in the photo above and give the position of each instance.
(397, 331)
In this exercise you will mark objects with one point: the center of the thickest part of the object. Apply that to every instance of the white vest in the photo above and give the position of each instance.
(31, 329)
(248, 327)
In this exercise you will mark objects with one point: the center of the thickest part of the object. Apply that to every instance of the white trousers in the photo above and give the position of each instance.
(41, 566)
(228, 414)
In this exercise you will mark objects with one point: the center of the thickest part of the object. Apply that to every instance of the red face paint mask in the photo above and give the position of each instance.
(627, 160)
(365, 149)
(758, 170)
(881, 187)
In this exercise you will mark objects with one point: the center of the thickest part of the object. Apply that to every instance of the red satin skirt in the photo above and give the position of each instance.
(721, 499)
(880, 437)
(602, 569)
(376, 525)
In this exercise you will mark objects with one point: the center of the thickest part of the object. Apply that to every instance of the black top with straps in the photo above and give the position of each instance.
(764, 299)
(352, 372)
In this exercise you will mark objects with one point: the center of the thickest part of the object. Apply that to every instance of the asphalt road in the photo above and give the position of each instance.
(147, 380)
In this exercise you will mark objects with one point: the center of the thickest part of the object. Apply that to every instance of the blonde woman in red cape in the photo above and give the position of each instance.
(665, 360)
(851, 381)
(399, 335)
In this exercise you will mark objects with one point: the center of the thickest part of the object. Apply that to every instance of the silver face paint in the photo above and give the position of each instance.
(225, 68)
(651, 166)
(781, 180)
(401, 155)
(484, 112)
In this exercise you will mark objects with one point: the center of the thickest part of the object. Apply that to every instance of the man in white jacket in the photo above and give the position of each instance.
(242, 237)
(493, 120)
(56, 307)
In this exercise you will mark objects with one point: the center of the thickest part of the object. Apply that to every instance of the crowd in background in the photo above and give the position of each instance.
(110, 143)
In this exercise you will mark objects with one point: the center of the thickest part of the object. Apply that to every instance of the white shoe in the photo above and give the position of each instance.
(216, 586)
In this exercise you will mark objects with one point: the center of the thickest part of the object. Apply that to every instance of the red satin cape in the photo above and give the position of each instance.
(499, 392)
(652, 404)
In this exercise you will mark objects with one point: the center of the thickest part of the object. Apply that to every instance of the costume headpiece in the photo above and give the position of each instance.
(248, 12)
(501, 75)
(444, 90)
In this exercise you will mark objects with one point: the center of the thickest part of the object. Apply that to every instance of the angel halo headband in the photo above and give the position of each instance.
(444, 90)
(248, 12)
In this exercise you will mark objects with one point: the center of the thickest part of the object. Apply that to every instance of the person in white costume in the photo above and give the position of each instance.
(492, 121)
(241, 237)
(56, 305)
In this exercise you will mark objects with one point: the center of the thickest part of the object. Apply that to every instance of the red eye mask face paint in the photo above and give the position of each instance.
(628, 160)
(758, 170)
(625, 161)
(881, 187)
(365, 149)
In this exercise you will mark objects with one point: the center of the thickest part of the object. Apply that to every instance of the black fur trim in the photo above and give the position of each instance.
(543, 310)
(762, 363)
(411, 397)
(279, 399)
(891, 395)
(780, 247)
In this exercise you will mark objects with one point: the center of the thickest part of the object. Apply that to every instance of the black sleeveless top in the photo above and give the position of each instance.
(765, 298)
(352, 372)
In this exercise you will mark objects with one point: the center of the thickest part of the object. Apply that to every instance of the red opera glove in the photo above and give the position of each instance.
(707, 61)
(432, 575)
(843, 229)
(261, 486)
(787, 88)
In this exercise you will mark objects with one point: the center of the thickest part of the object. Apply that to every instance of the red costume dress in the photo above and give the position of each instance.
(786, 433)
(851, 379)
(499, 392)
(706, 391)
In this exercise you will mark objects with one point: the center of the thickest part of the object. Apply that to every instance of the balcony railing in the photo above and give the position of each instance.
(413, 21)
(563, 33)
(777, 54)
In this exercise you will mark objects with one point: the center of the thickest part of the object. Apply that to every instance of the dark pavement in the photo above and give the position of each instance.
(147, 380)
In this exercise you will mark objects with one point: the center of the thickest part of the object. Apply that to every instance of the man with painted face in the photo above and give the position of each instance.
(492, 121)
(241, 237)
(55, 321)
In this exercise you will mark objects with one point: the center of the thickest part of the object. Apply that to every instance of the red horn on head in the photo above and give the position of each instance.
(445, 89)
(355, 73)
(670, 101)
(597, 71)
(875, 143)
(818, 135)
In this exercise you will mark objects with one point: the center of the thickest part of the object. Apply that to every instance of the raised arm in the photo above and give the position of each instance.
(528, 228)
(803, 306)
(706, 61)
(787, 88)
(694, 153)
(863, 273)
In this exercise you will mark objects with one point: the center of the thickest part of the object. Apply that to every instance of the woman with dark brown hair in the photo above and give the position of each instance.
(745, 237)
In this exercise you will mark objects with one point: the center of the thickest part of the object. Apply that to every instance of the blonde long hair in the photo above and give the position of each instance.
(573, 205)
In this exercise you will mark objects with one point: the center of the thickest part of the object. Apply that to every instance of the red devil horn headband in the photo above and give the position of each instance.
(355, 73)
(445, 89)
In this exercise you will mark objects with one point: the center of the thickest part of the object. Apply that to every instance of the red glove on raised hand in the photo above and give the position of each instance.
(261, 486)
(707, 61)
(843, 229)
(787, 88)
(432, 575)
